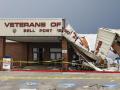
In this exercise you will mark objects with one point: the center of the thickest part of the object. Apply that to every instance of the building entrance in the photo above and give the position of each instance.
(38, 55)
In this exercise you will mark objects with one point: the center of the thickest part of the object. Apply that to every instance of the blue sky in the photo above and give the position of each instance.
(85, 16)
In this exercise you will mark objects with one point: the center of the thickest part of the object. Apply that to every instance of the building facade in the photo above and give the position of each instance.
(35, 40)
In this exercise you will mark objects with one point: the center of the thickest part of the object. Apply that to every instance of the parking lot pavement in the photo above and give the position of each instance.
(11, 80)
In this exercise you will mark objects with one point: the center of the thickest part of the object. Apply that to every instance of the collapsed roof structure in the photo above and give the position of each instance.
(107, 40)
(107, 46)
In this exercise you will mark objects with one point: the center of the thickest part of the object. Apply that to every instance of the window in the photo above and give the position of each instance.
(58, 55)
(35, 49)
(35, 54)
(55, 53)
(52, 56)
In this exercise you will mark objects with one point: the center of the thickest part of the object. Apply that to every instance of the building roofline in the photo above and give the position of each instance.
(31, 18)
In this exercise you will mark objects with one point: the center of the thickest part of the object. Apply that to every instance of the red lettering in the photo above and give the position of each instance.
(11, 24)
(7, 24)
(55, 24)
(45, 30)
(25, 24)
(28, 30)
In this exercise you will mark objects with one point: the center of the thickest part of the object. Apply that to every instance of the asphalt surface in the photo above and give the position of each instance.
(13, 80)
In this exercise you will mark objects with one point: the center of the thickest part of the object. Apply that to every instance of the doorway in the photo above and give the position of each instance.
(38, 55)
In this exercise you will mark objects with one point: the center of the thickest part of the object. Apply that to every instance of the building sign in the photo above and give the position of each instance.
(7, 63)
(31, 27)
(64, 51)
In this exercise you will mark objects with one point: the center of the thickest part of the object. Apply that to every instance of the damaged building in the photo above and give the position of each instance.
(107, 46)
(50, 44)
(42, 42)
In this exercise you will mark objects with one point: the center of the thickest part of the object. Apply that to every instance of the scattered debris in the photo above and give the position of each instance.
(85, 86)
(110, 85)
